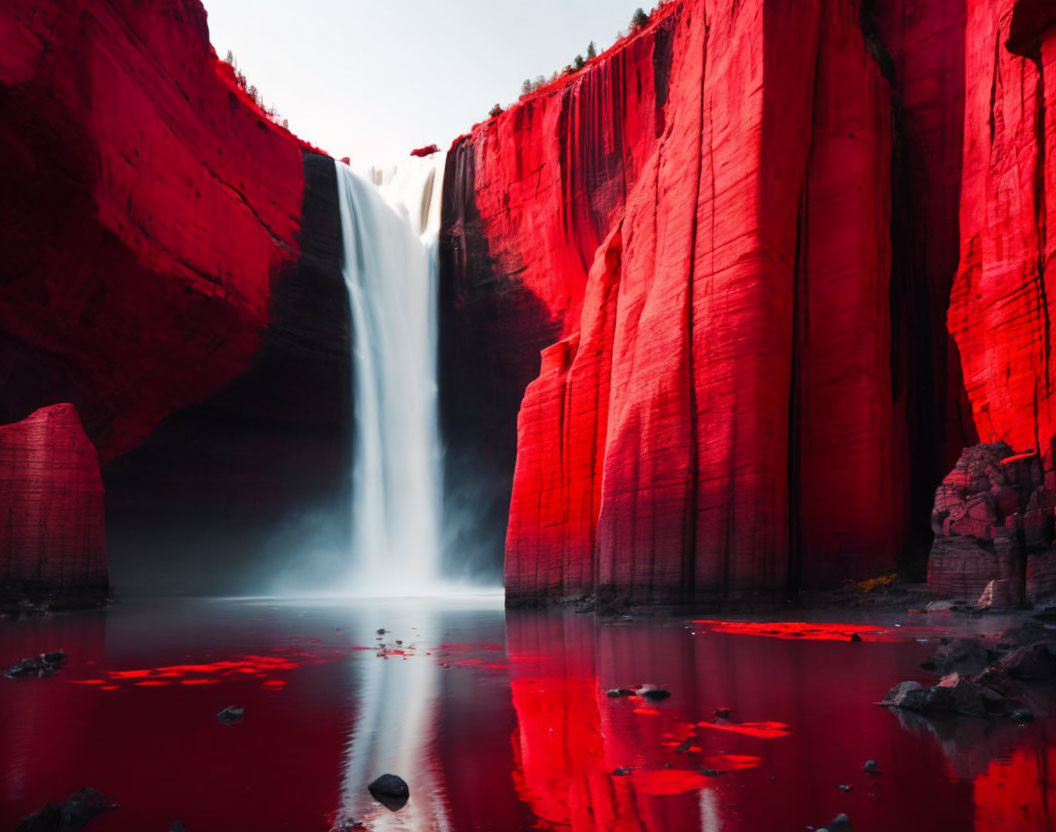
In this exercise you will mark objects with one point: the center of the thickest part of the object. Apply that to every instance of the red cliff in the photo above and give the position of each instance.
(52, 537)
(141, 237)
(722, 420)
(172, 269)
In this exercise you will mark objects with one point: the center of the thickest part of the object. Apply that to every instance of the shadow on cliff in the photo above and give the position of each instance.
(229, 495)
(492, 330)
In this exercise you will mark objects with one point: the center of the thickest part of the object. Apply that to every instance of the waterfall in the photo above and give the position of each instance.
(390, 223)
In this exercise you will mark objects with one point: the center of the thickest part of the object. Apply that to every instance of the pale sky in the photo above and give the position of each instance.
(374, 79)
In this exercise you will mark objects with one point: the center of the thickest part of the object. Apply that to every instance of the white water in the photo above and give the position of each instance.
(390, 225)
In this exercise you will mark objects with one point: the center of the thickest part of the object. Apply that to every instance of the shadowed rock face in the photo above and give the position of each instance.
(172, 268)
(227, 493)
(52, 539)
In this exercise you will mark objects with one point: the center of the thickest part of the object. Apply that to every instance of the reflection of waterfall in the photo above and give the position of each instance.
(390, 234)
(398, 712)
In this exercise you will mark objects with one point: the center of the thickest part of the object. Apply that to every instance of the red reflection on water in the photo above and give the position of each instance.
(765, 730)
(210, 673)
(1018, 792)
(800, 630)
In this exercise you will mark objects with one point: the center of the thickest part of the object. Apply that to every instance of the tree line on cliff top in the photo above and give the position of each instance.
(253, 92)
(639, 20)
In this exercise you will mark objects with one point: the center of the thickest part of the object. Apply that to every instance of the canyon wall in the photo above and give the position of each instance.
(720, 414)
(166, 247)
(749, 381)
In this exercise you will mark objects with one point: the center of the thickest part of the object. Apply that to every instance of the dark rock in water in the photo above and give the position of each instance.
(840, 823)
(909, 695)
(721, 713)
(390, 791)
(710, 772)
(1035, 662)
(37, 667)
(620, 772)
(69, 816)
(846, 788)
(381, 631)
(957, 695)
(855, 638)
(963, 655)
(231, 714)
(177, 826)
(653, 693)
(871, 767)
(615, 692)
(1022, 715)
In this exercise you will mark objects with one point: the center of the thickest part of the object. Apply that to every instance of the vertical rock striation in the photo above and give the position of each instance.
(52, 536)
(721, 421)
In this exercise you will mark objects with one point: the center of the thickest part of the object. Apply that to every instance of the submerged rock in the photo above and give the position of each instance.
(69, 816)
(653, 693)
(390, 791)
(871, 767)
(231, 714)
(37, 667)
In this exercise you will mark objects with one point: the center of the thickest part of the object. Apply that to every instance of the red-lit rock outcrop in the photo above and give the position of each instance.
(52, 536)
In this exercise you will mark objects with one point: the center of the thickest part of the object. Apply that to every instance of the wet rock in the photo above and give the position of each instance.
(177, 826)
(231, 714)
(391, 791)
(710, 772)
(69, 816)
(961, 655)
(871, 767)
(955, 694)
(846, 788)
(617, 692)
(1001, 592)
(840, 823)
(621, 772)
(855, 638)
(1035, 662)
(653, 693)
(721, 713)
(37, 667)
(909, 695)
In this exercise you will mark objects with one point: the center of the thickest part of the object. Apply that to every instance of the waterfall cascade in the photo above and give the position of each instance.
(390, 225)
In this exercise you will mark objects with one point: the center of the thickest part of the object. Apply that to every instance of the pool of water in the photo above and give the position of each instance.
(499, 721)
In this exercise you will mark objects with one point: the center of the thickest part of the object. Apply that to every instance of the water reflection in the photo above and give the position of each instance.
(498, 721)
(399, 697)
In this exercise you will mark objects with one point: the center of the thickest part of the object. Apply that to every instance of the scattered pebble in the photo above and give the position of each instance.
(231, 714)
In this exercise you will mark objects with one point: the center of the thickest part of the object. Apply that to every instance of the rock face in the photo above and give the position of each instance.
(528, 198)
(993, 525)
(1002, 299)
(747, 383)
(171, 258)
(718, 417)
(52, 535)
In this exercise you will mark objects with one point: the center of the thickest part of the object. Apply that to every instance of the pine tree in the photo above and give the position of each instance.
(592, 51)
(640, 19)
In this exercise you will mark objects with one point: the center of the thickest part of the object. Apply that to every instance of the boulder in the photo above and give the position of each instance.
(391, 791)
